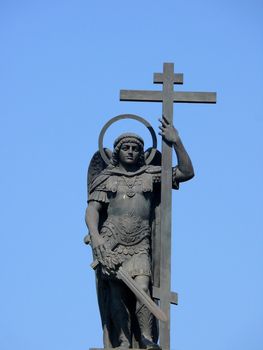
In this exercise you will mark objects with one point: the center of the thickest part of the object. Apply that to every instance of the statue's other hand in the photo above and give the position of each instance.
(98, 245)
(168, 131)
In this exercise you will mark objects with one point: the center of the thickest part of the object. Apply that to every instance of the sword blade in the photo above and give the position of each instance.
(141, 295)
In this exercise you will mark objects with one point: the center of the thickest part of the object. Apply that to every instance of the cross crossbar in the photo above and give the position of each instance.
(178, 78)
(157, 96)
(157, 295)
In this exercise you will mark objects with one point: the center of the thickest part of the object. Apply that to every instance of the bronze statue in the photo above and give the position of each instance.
(122, 217)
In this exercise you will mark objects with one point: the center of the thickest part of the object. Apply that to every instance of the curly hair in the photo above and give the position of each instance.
(124, 138)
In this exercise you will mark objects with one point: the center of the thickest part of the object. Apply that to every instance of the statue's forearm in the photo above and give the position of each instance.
(92, 219)
(185, 167)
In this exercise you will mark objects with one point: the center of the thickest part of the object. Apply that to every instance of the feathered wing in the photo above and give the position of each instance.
(96, 166)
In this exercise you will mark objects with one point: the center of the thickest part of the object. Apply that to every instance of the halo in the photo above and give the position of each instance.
(127, 116)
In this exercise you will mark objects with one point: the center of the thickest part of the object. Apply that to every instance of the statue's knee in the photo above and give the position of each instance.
(145, 288)
(143, 282)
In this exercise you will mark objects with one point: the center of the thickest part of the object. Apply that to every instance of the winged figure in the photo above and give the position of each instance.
(123, 221)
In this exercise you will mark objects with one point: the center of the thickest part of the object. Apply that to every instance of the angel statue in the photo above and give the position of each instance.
(122, 217)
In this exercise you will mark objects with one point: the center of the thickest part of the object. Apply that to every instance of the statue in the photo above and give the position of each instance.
(129, 221)
(122, 210)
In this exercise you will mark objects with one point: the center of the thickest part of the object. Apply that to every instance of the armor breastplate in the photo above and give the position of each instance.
(140, 183)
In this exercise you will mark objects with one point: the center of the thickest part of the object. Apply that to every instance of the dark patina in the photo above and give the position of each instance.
(129, 221)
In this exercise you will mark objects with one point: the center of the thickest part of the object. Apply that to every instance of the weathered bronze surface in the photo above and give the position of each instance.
(129, 221)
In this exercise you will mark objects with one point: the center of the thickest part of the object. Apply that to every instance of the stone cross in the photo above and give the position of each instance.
(167, 96)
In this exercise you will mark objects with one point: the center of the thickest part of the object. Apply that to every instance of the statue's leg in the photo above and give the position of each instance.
(144, 316)
(120, 313)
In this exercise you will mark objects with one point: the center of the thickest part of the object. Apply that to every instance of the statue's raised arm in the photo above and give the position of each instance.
(184, 171)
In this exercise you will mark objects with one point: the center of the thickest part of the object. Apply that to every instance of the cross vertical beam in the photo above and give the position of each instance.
(167, 96)
(166, 203)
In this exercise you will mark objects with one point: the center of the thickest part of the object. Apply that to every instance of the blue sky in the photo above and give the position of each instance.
(62, 65)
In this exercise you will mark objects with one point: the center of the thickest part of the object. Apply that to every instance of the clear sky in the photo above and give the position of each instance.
(62, 64)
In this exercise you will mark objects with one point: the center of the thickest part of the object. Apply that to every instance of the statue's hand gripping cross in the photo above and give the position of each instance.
(167, 96)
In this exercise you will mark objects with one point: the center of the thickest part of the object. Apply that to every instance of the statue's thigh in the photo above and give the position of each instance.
(138, 265)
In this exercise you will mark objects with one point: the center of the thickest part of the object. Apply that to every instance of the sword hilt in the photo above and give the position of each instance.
(87, 240)
(95, 263)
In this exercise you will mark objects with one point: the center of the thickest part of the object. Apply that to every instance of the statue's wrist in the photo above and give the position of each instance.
(177, 143)
(95, 236)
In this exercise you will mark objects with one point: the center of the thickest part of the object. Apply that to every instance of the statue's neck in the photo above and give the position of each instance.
(128, 168)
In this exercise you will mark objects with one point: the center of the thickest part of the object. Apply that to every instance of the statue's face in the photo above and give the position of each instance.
(129, 153)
